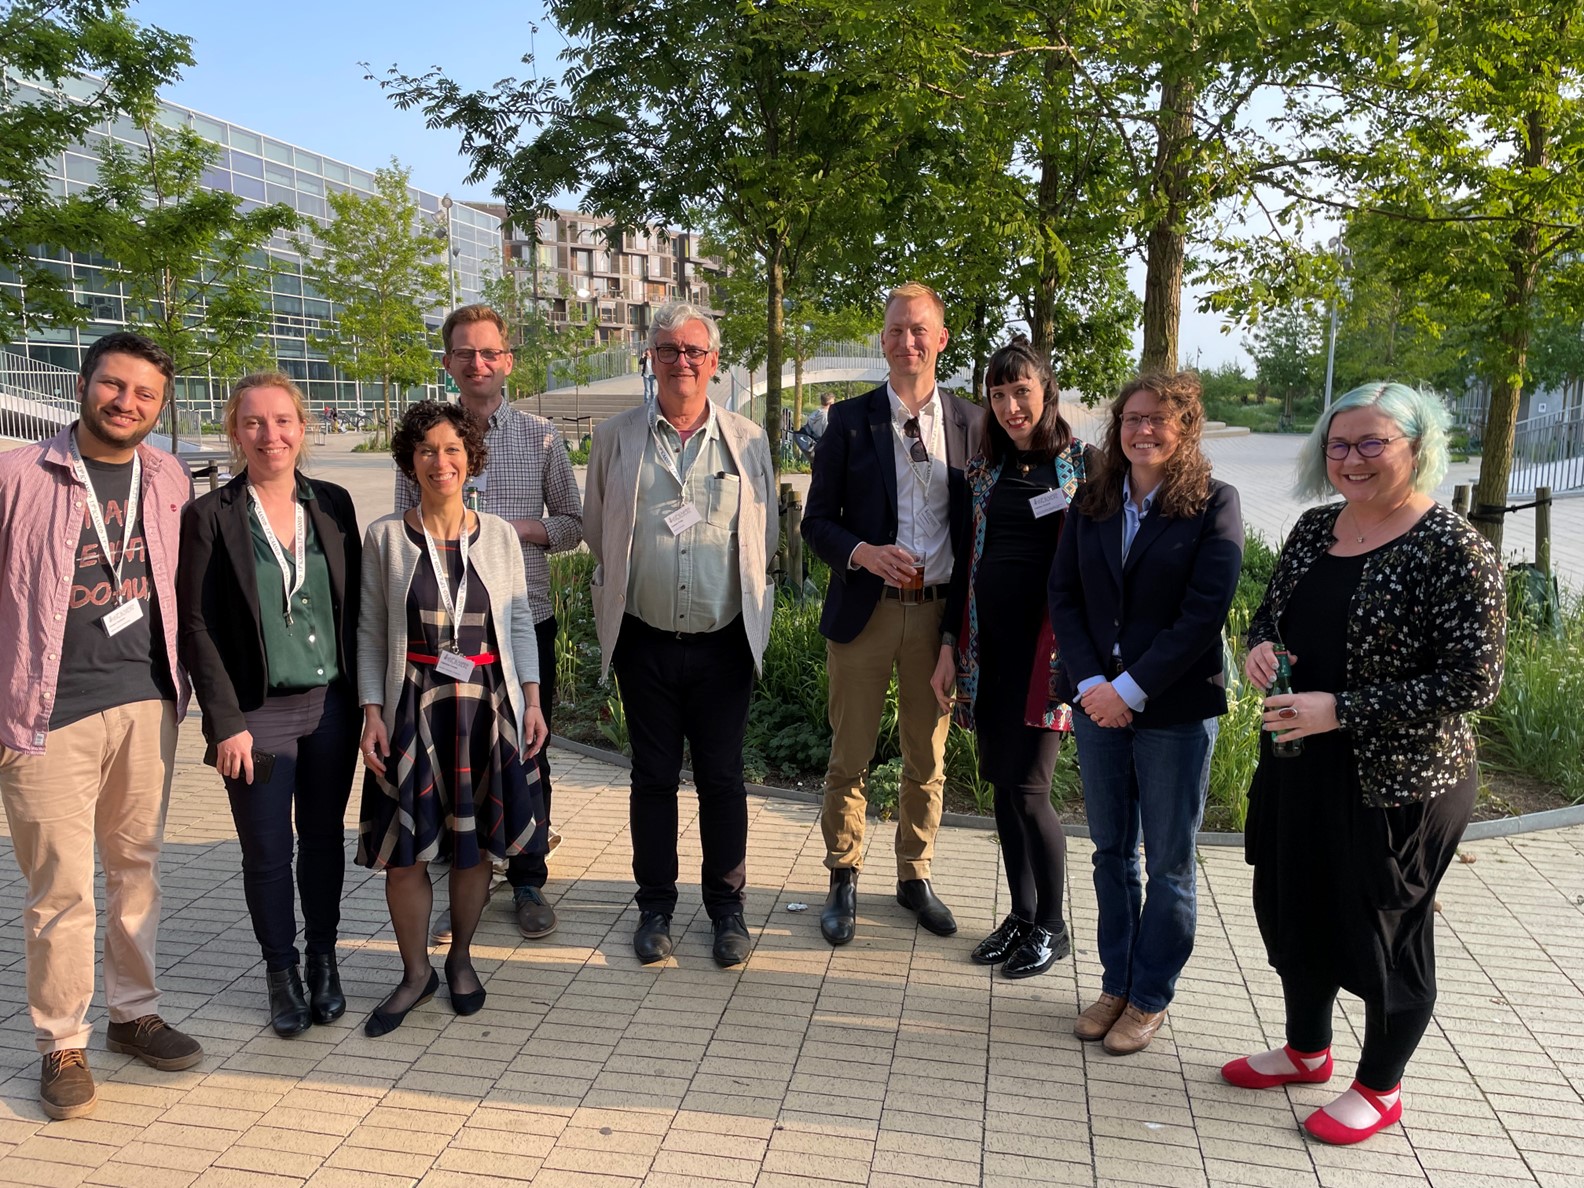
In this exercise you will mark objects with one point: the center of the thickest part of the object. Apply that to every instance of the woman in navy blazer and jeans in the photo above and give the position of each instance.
(1143, 579)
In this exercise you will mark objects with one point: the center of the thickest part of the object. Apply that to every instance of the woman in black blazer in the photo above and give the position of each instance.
(1143, 579)
(267, 593)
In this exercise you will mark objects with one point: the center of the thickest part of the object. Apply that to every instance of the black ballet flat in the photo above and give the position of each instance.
(470, 1003)
(383, 1022)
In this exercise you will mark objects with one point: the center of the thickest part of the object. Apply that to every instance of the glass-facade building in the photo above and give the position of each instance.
(259, 169)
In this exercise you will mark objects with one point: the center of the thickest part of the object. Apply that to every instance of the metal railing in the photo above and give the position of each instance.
(1548, 451)
(611, 363)
(36, 398)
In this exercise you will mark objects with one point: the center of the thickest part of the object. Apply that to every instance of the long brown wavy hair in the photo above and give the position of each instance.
(1185, 489)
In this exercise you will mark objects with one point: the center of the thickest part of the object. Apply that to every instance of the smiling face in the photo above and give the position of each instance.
(1150, 433)
(1384, 481)
(1018, 406)
(269, 432)
(684, 384)
(121, 401)
(479, 380)
(440, 464)
(913, 337)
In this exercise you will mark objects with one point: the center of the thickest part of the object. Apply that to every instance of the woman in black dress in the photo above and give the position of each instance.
(448, 675)
(1393, 610)
(1003, 656)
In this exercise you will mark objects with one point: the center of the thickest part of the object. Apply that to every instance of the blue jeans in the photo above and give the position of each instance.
(1155, 778)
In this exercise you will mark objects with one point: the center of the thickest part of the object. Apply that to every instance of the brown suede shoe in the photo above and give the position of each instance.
(66, 1087)
(1097, 1017)
(155, 1042)
(1133, 1031)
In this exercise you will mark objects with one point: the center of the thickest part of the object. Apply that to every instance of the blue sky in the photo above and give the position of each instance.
(290, 69)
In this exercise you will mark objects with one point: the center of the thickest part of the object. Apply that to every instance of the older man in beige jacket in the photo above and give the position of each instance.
(679, 512)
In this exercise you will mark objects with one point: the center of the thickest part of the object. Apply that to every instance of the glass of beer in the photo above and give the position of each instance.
(912, 586)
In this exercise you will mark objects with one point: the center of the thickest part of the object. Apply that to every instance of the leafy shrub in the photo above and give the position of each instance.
(884, 787)
(1534, 726)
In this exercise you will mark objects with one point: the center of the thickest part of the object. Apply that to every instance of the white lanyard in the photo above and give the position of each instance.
(667, 456)
(438, 563)
(293, 581)
(96, 513)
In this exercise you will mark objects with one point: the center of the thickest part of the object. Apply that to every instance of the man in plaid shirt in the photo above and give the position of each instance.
(528, 481)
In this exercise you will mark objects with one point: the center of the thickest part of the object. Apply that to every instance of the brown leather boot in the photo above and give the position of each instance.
(1133, 1031)
(1098, 1017)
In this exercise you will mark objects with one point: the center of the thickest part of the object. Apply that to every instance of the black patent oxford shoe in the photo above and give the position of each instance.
(1001, 943)
(1041, 949)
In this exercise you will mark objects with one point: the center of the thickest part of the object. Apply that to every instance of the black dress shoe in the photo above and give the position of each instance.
(732, 942)
(1041, 949)
(383, 1021)
(324, 987)
(916, 896)
(839, 917)
(288, 1008)
(652, 939)
(1001, 943)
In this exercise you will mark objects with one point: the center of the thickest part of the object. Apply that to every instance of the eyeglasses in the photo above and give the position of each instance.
(468, 354)
(670, 353)
(1371, 447)
(1156, 421)
(916, 450)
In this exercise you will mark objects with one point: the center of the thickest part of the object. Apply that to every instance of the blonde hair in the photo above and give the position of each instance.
(262, 379)
(912, 290)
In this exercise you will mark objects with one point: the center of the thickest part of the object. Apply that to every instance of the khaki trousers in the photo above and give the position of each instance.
(105, 778)
(906, 638)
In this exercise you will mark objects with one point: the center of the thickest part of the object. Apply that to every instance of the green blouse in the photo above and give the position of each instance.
(300, 654)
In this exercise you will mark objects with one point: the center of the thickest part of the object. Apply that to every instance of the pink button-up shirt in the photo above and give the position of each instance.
(41, 515)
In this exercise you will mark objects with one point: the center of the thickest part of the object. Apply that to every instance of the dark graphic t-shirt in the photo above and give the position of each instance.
(99, 671)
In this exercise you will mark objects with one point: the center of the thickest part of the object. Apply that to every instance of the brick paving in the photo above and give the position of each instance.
(893, 1061)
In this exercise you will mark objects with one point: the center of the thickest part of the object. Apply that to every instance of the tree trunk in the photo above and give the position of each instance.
(1502, 415)
(981, 313)
(797, 386)
(1042, 311)
(1168, 234)
(775, 340)
(390, 424)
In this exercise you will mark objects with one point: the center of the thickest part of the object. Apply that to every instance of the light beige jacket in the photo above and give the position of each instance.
(610, 500)
(390, 559)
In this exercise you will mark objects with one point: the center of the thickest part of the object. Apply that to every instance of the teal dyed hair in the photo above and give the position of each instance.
(1421, 416)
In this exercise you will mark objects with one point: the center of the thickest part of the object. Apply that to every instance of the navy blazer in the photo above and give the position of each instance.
(853, 497)
(219, 637)
(1165, 606)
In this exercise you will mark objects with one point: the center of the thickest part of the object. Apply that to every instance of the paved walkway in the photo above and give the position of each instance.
(893, 1061)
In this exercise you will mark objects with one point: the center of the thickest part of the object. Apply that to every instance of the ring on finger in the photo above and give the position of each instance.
(1287, 713)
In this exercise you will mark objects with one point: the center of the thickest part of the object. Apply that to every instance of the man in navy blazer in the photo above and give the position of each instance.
(888, 500)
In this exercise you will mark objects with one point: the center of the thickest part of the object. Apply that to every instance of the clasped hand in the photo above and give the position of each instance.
(1105, 707)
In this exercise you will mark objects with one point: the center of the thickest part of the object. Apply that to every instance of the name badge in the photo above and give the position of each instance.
(927, 521)
(453, 664)
(1051, 501)
(683, 518)
(122, 617)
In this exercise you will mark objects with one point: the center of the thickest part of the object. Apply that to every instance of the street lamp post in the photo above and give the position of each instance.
(1337, 246)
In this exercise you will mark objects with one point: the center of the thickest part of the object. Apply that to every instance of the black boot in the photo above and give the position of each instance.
(324, 988)
(839, 918)
(288, 1007)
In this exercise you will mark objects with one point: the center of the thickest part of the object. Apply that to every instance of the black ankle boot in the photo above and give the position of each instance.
(288, 1007)
(324, 988)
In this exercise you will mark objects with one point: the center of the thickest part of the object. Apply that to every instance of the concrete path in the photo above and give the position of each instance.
(892, 1061)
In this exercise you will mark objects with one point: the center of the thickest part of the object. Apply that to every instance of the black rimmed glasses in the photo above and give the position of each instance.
(465, 355)
(1370, 447)
(916, 450)
(669, 353)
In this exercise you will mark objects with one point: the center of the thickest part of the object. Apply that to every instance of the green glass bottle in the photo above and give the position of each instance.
(1283, 684)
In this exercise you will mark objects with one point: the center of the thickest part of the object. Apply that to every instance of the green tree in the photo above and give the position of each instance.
(750, 116)
(1288, 347)
(575, 349)
(374, 261)
(191, 263)
(53, 45)
(534, 338)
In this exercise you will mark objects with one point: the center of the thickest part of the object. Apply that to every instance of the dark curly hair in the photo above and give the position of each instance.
(1018, 360)
(424, 416)
(1185, 488)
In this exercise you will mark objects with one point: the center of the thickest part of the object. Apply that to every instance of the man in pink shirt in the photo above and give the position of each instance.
(90, 695)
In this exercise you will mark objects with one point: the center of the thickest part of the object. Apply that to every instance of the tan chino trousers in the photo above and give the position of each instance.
(106, 778)
(907, 639)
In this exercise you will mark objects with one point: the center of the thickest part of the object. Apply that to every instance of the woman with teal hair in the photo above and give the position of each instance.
(1393, 612)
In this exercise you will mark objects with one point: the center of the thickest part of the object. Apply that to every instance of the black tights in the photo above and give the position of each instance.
(1389, 1037)
(1034, 849)
(410, 898)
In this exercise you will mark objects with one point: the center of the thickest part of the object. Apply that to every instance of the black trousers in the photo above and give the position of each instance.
(1390, 1037)
(314, 737)
(528, 870)
(693, 688)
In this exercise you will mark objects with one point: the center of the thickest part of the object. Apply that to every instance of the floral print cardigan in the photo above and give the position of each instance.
(1425, 645)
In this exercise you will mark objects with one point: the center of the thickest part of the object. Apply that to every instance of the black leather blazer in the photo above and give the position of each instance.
(1165, 606)
(219, 638)
(852, 499)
